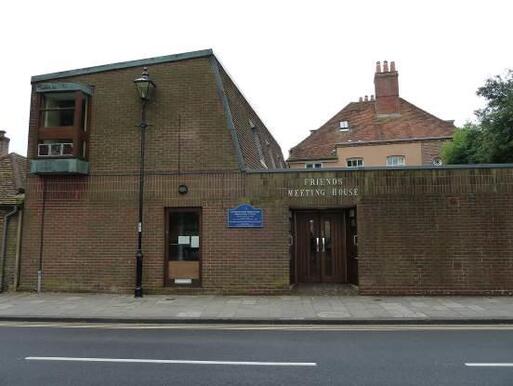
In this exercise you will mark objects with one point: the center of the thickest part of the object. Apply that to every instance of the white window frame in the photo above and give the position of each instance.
(52, 146)
(343, 126)
(312, 165)
(395, 157)
(354, 159)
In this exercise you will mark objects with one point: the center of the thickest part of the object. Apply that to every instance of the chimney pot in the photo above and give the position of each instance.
(372, 97)
(366, 98)
(385, 66)
(4, 144)
(361, 99)
(392, 66)
(378, 66)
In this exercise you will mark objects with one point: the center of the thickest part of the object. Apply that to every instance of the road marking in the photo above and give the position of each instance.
(489, 364)
(171, 361)
(257, 327)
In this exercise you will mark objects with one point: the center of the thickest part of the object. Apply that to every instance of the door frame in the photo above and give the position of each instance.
(343, 213)
(167, 213)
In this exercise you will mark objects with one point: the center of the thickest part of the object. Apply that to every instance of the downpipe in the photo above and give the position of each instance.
(4, 245)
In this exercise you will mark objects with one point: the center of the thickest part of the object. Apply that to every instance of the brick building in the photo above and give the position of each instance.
(383, 131)
(12, 187)
(222, 213)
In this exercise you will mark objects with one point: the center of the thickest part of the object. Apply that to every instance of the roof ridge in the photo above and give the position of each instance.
(125, 64)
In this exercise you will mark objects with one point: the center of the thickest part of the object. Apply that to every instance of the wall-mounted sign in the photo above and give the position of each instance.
(245, 216)
(323, 187)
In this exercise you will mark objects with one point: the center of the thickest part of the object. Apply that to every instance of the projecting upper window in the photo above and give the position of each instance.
(60, 110)
(313, 165)
(396, 160)
(344, 126)
(63, 106)
(354, 162)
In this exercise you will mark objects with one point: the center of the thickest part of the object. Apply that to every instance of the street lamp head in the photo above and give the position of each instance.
(144, 85)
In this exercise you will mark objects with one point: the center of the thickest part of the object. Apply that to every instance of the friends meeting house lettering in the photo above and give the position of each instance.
(323, 187)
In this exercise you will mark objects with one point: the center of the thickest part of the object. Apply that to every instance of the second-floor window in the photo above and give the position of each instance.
(354, 162)
(396, 160)
(313, 165)
(63, 120)
(58, 109)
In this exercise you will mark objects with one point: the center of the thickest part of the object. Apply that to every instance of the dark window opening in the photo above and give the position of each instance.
(58, 109)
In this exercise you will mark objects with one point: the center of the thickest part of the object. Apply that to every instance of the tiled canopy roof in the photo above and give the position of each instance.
(366, 126)
(12, 178)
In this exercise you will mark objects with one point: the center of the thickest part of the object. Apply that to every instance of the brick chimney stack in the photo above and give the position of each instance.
(4, 144)
(386, 83)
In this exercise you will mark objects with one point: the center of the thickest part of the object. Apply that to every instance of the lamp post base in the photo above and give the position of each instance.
(138, 293)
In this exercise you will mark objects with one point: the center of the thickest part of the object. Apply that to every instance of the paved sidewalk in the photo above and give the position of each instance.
(256, 309)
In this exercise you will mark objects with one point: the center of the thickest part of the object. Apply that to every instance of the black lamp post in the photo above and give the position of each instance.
(144, 86)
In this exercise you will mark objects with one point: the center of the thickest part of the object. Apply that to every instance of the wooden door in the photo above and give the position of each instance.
(352, 246)
(320, 249)
(183, 250)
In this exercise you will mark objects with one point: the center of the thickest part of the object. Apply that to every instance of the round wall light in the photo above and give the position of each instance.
(183, 189)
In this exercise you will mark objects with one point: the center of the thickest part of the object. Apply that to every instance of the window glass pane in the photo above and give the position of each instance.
(83, 122)
(43, 149)
(354, 162)
(61, 100)
(395, 160)
(55, 149)
(67, 148)
(58, 109)
(184, 236)
(57, 118)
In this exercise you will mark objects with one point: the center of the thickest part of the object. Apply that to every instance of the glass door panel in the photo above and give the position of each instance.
(183, 246)
(326, 248)
(314, 260)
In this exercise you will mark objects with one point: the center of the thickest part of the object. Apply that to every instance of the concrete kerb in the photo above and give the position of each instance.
(257, 322)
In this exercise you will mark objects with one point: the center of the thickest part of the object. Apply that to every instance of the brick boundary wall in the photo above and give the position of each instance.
(424, 231)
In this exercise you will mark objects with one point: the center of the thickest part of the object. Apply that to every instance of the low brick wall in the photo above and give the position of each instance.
(421, 231)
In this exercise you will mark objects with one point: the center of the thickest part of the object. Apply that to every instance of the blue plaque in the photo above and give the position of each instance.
(245, 216)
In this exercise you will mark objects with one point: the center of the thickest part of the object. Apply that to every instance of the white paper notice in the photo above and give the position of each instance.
(194, 241)
(184, 239)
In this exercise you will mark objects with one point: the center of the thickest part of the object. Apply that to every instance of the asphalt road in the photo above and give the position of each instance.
(105, 356)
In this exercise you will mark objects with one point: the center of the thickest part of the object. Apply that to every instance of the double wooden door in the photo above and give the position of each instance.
(320, 247)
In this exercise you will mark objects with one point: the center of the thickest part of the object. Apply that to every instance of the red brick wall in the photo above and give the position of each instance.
(188, 126)
(90, 235)
(420, 231)
(436, 244)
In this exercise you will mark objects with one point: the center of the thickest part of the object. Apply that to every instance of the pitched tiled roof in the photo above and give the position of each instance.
(412, 123)
(12, 178)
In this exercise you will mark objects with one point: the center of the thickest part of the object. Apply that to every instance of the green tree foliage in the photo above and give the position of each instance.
(490, 140)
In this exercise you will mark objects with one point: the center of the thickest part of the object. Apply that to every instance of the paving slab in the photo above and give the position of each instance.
(270, 309)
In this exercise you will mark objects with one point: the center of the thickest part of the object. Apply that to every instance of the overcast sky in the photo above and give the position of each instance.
(297, 62)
